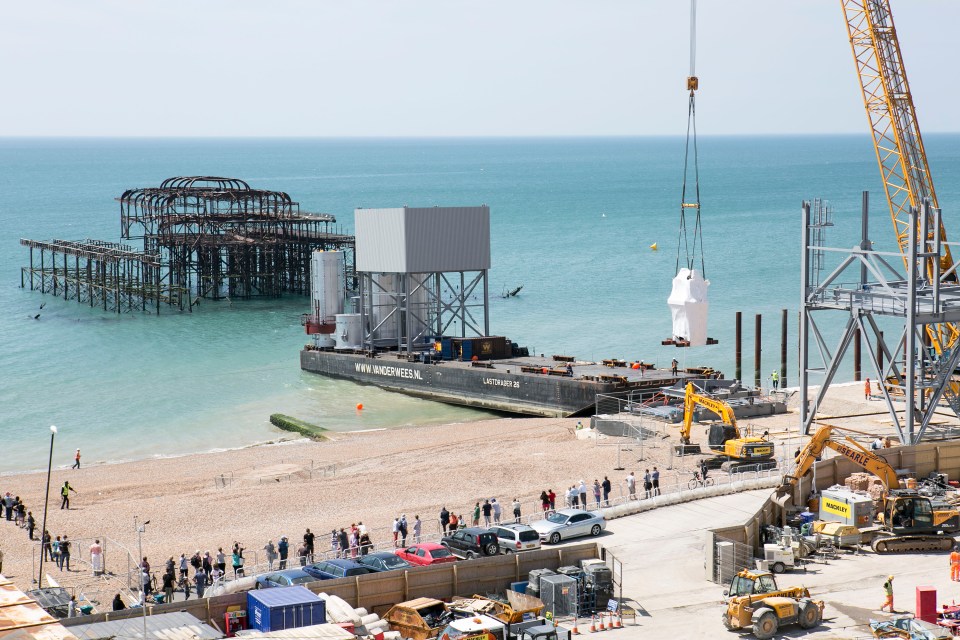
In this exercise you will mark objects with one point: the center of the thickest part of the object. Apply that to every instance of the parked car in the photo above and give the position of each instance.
(426, 553)
(383, 561)
(569, 523)
(516, 537)
(471, 542)
(330, 569)
(285, 578)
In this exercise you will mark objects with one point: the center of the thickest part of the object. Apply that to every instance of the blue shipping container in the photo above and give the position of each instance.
(284, 608)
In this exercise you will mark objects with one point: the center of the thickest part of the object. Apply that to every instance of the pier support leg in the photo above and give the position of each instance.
(737, 353)
(756, 350)
(783, 348)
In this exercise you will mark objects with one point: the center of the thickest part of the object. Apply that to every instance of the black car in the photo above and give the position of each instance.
(472, 543)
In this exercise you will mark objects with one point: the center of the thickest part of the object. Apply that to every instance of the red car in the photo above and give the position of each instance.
(426, 553)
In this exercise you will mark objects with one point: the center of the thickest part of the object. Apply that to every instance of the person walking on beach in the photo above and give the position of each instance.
(96, 557)
(31, 524)
(583, 494)
(647, 483)
(417, 527)
(655, 478)
(46, 545)
(597, 489)
(487, 510)
(168, 586)
(673, 366)
(221, 560)
(444, 519)
(271, 552)
(76, 460)
(184, 584)
(476, 515)
(200, 579)
(334, 543)
(775, 379)
(64, 493)
(8, 503)
(866, 390)
(455, 522)
(496, 510)
(308, 538)
(516, 510)
(207, 564)
(544, 501)
(183, 563)
(403, 531)
(553, 500)
(396, 532)
(607, 487)
(344, 543)
(65, 553)
(366, 545)
(283, 547)
(55, 546)
(237, 561)
(632, 486)
(888, 592)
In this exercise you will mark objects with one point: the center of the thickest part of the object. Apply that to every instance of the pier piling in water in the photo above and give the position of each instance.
(756, 350)
(739, 325)
(783, 348)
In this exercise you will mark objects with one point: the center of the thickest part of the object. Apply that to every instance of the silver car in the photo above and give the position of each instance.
(569, 523)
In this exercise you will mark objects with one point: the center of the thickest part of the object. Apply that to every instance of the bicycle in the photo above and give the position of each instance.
(697, 481)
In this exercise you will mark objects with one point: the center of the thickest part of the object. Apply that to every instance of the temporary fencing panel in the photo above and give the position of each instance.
(559, 595)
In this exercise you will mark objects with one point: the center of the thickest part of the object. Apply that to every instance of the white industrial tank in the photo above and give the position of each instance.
(688, 306)
(348, 331)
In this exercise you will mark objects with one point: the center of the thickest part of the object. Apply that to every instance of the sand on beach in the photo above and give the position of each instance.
(256, 494)
(252, 495)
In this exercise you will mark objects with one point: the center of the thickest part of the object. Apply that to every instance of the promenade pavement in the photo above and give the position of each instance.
(663, 557)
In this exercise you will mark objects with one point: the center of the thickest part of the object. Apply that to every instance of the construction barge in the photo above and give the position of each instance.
(531, 385)
(413, 317)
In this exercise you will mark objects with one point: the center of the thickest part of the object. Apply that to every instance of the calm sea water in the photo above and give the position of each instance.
(572, 220)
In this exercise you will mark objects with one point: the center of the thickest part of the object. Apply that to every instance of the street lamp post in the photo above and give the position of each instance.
(46, 501)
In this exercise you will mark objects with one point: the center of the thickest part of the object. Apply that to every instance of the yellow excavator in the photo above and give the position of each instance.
(724, 438)
(908, 520)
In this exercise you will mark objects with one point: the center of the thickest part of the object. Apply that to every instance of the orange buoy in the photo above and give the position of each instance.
(545, 370)
(359, 406)
(636, 365)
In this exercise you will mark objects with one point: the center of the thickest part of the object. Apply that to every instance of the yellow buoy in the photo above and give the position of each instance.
(654, 246)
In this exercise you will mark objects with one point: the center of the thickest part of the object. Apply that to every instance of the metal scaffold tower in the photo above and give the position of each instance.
(867, 288)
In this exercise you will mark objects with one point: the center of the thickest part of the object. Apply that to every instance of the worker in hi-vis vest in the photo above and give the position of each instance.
(955, 564)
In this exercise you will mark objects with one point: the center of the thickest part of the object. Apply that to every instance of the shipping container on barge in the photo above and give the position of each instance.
(412, 316)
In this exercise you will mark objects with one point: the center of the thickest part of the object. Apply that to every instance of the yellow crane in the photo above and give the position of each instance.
(724, 437)
(896, 135)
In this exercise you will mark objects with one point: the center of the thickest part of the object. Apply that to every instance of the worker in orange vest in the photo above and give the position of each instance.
(955, 564)
(866, 389)
(888, 592)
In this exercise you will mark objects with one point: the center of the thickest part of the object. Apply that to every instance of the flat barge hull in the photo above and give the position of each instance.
(499, 385)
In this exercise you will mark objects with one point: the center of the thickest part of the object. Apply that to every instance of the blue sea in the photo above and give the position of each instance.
(572, 221)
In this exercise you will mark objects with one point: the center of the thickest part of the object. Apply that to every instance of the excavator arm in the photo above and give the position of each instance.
(690, 401)
(851, 449)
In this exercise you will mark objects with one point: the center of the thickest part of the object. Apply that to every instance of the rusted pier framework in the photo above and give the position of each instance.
(114, 276)
(206, 238)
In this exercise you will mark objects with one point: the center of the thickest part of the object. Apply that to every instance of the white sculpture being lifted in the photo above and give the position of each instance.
(688, 306)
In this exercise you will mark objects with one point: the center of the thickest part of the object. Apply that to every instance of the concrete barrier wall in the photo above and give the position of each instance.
(378, 592)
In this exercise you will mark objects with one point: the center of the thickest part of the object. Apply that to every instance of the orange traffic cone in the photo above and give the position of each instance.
(617, 623)
(603, 623)
(575, 631)
(593, 624)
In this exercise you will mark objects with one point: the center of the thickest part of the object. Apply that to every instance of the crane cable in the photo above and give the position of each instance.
(685, 241)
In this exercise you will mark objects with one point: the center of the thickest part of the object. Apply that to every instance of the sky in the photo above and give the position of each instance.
(451, 67)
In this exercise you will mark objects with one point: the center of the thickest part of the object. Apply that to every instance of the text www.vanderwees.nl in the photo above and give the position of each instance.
(387, 370)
